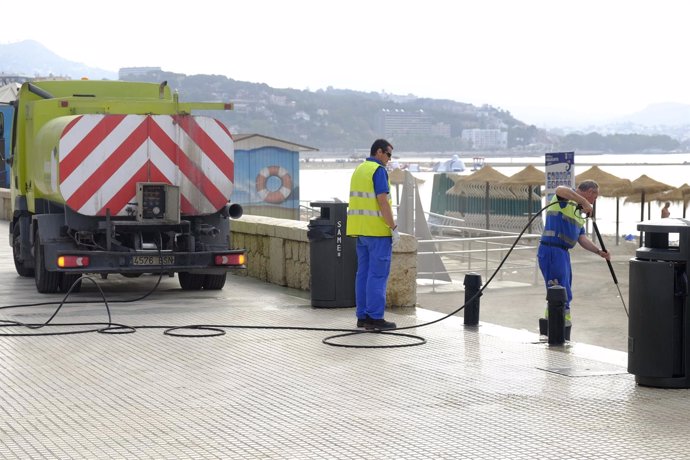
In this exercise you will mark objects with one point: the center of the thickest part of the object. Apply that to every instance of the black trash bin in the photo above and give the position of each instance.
(659, 321)
(333, 257)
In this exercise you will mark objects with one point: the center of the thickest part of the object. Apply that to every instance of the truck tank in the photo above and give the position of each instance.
(92, 163)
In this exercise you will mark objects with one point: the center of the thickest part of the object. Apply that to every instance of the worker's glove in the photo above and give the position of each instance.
(396, 236)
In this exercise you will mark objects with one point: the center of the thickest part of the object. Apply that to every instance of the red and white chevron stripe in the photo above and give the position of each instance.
(102, 157)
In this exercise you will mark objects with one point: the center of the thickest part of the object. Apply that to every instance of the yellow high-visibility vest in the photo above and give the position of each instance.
(562, 224)
(364, 217)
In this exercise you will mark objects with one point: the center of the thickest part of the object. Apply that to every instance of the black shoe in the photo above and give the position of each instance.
(362, 321)
(378, 324)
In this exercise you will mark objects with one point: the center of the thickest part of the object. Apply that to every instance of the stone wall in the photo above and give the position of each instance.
(278, 252)
(5, 204)
(277, 249)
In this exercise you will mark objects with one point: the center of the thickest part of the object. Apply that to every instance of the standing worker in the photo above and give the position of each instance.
(563, 228)
(370, 219)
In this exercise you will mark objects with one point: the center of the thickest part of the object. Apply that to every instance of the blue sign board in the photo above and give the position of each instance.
(560, 170)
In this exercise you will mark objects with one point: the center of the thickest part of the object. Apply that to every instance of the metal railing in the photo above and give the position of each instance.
(469, 249)
(306, 212)
(479, 250)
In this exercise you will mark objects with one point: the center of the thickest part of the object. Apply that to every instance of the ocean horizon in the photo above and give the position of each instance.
(325, 184)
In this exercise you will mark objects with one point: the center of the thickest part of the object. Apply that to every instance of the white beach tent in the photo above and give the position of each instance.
(455, 164)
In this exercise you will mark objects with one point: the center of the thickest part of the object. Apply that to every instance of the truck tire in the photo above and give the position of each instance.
(190, 281)
(214, 282)
(19, 265)
(46, 282)
(67, 280)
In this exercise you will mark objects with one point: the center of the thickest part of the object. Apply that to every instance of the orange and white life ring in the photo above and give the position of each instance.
(274, 196)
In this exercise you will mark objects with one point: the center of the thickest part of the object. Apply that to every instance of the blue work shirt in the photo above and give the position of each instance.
(380, 178)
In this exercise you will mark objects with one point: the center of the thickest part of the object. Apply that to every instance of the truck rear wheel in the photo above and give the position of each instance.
(214, 282)
(67, 280)
(19, 265)
(46, 282)
(190, 281)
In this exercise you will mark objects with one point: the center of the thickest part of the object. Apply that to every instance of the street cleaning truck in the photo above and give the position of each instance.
(112, 177)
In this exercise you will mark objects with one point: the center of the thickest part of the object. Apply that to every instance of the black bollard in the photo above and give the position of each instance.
(556, 298)
(473, 283)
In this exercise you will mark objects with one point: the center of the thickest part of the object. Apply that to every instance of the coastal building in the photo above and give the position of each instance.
(485, 139)
(129, 72)
(8, 94)
(267, 175)
(6, 79)
(392, 122)
(441, 130)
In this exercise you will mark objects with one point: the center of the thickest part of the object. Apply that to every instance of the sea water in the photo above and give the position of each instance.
(671, 169)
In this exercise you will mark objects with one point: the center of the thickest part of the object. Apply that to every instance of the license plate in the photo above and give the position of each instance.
(153, 260)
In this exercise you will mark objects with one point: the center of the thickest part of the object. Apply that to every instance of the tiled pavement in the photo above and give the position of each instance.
(474, 393)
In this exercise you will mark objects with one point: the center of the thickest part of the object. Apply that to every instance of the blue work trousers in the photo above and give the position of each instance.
(554, 263)
(373, 267)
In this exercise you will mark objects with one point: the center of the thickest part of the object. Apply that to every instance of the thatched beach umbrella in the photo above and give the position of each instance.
(639, 188)
(529, 176)
(397, 178)
(679, 195)
(637, 198)
(609, 184)
(487, 176)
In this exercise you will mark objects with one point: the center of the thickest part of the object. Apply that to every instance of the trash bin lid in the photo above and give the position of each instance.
(667, 225)
(326, 204)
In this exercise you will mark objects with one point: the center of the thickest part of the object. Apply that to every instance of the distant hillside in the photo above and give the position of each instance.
(668, 113)
(32, 59)
(346, 121)
(335, 119)
(665, 119)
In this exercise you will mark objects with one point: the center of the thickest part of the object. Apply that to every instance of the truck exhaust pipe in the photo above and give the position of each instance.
(234, 211)
(161, 89)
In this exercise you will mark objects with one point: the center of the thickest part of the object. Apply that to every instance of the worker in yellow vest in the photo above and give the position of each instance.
(370, 220)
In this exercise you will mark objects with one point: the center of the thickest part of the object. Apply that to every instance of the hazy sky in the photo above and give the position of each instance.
(588, 59)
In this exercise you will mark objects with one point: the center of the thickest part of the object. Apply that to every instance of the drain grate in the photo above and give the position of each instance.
(585, 371)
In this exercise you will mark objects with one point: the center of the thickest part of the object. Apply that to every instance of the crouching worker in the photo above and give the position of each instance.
(564, 227)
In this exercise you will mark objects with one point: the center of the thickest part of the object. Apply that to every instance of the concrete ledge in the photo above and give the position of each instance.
(278, 252)
(5, 204)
